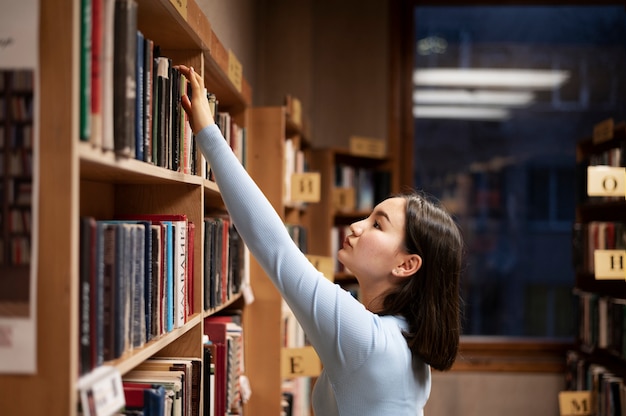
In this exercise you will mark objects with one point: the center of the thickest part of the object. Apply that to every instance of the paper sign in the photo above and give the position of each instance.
(575, 403)
(235, 70)
(300, 362)
(181, 6)
(324, 264)
(305, 187)
(603, 131)
(101, 392)
(344, 199)
(366, 146)
(606, 181)
(609, 264)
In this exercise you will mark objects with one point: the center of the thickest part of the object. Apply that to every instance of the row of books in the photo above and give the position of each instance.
(224, 351)
(164, 386)
(601, 323)
(296, 393)
(370, 185)
(18, 221)
(18, 109)
(595, 235)
(136, 282)
(21, 80)
(16, 136)
(19, 162)
(226, 265)
(610, 157)
(294, 163)
(19, 251)
(607, 389)
(130, 98)
(131, 95)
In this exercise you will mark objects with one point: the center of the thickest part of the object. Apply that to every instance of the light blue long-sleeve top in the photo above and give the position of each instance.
(367, 368)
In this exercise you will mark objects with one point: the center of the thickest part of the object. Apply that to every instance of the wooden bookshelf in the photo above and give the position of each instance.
(329, 213)
(78, 179)
(600, 298)
(269, 130)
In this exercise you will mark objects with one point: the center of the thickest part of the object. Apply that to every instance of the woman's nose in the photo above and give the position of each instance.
(356, 228)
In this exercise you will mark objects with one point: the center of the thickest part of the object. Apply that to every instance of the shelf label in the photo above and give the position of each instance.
(101, 392)
(606, 181)
(324, 264)
(235, 70)
(344, 199)
(305, 187)
(575, 403)
(603, 131)
(367, 146)
(300, 362)
(181, 6)
(609, 264)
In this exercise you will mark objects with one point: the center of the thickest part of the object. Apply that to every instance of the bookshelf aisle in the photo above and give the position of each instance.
(596, 368)
(16, 188)
(104, 171)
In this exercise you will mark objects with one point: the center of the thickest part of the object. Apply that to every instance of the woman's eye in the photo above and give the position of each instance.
(376, 224)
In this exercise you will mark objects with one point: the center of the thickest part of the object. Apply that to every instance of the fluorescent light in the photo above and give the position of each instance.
(460, 113)
(477, 97)
(502, 78)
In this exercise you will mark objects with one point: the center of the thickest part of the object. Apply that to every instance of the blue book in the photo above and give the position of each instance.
(169, 276)
(139, 102)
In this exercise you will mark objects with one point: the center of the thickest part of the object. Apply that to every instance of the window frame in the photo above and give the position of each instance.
(476, 353)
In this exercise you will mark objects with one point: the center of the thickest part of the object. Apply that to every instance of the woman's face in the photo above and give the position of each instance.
(377, 242)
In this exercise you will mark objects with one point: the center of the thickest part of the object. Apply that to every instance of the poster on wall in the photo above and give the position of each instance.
(19, 109)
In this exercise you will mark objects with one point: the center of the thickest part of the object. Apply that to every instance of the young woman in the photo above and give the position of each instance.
(406, 256)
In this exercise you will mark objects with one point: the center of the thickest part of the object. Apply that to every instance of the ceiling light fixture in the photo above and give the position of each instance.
(473, 97)
(489, 78)
(460, 113)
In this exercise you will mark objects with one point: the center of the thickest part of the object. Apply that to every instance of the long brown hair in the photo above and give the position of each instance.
(430, 299)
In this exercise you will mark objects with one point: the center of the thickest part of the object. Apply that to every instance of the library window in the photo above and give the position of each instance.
(500, 97)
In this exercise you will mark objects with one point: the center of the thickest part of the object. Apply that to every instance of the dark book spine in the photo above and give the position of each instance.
(140, 96)
(124, 76)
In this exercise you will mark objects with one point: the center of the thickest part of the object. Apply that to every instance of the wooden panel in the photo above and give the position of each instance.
(262, 317)
(57, 323)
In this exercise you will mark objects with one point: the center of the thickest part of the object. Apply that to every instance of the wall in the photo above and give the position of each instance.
(494, 394)
(333, 56)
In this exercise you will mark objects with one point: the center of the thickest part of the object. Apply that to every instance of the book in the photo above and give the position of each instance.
(209, 378)
(172, 382)
(140, 96)
(176, 265)
(193, 377)
(148, 399)
(225, 332)
(85, 70)
(108, 40)
(87, 288)
(107, 236)
(97, 44)
(125, 77)
(148, 89)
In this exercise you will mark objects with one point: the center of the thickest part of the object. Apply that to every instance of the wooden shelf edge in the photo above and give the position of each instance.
(131, 359)
(97, 164)
(517, 355)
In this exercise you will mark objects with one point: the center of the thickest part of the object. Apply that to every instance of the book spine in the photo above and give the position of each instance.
(85, 69)
(140, 97)
(97, 43)
(180, 255)
(125, 78)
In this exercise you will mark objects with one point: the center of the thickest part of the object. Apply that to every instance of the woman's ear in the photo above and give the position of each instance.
(411, 263)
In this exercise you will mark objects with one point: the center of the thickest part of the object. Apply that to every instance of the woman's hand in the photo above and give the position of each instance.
(197, 108)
